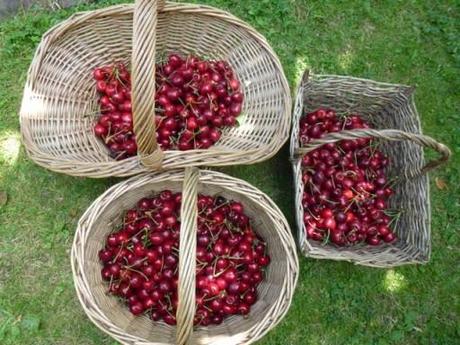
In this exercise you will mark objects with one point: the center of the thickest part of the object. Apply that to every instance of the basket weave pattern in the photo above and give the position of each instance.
(111, 316)
(60, 106)
(383, 106)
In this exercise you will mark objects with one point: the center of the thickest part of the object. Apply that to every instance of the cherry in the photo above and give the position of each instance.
(244, 309)
(169, 319)
(217, 319)
(170, 221)
(329, 223)
(373, 241)
(130, 147)
(115, 269)
(390, 237)
(250, 298)
(222, 264)
(99, 74)
(234, 84)
(164, 286)
(383, 230)
(105, 255)
(264, 261)
(156, 239)
(100, 130)
(105, 273)
(136, 308)
(136, 280)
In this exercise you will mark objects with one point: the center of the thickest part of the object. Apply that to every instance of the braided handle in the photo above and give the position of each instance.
(143, 81)
(387, 134)
(187, 257)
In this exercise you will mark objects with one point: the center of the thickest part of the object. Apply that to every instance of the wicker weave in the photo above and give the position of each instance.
(383, 106)
(111, 316)
(60, 107)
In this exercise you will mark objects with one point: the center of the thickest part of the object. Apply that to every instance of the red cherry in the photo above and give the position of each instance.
(100, 130)
(99, 74)
(136, 308)
(390, 237)
(373, 241)
(234, 84)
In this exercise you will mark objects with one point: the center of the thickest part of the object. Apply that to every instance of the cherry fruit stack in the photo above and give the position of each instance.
(194, 101)
(346, 187)
(140, 260)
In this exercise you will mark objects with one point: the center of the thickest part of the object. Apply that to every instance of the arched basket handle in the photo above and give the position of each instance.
(386, 134)
(187, 257)
(145, 22)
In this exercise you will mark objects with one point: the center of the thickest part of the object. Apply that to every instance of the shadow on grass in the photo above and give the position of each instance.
(29, 184)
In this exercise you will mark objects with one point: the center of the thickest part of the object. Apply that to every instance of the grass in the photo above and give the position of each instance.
(411, 42)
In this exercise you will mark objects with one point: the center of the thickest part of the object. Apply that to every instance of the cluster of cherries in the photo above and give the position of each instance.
(346, 189)
(140, 260)
(195, 99)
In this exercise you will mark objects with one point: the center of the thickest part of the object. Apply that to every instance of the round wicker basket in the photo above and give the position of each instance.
(384, 106)
(111, 316)
(60, 100)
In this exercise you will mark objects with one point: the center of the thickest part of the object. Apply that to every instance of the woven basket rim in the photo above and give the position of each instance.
(320, 76)
(82, 235)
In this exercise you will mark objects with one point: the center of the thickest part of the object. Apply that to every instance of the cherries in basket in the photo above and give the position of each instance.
(140, 259)
(345, 199)
(195, 100)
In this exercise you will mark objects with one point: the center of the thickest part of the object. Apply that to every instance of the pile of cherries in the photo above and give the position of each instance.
(195, 99)
(346, 192)
(140, 260)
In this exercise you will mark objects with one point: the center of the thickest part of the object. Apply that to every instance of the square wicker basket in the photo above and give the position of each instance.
(390, 109)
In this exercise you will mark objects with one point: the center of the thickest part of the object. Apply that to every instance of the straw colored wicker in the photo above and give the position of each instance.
(275, 292)
(60, 107)
(384, 106)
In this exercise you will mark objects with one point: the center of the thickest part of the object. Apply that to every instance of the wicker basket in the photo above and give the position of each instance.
(383, 106)
(111, 316)
(60, 93)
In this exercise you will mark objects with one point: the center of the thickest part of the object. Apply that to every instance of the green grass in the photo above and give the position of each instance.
(407, 41)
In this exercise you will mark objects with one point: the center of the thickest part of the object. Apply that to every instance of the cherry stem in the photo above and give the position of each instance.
(132, 269)
(110, 137)
(118, 254)
(120, 154)
(349, 205)
(110, 283)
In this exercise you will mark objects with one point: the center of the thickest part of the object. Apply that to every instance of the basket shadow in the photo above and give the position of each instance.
(273, 177)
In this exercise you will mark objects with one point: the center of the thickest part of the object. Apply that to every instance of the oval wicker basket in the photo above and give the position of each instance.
(60, 95)
(111, 316)
(383, 106)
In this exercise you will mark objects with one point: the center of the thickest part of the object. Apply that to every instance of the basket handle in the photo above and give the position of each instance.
(187, 257)
(387, 134)
(145, 21)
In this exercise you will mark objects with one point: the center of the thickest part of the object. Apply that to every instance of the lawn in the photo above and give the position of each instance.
(411, 42)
